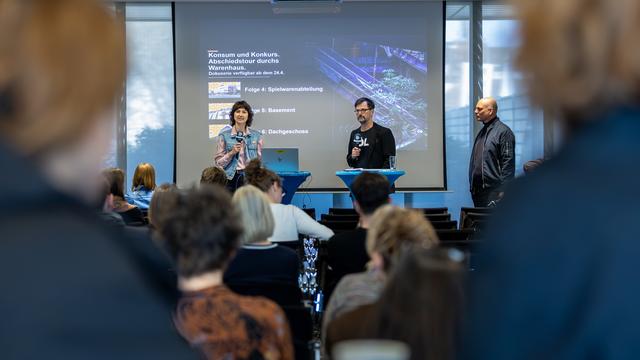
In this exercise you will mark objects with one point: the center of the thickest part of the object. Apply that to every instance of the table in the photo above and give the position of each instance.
(347, 176)
(291, 181)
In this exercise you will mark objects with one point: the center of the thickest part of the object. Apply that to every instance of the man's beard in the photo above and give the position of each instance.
(362, 119)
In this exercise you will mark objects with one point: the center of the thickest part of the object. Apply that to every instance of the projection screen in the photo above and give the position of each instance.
(301, 73)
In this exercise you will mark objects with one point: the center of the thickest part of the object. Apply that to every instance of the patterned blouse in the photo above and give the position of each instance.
(224, 325)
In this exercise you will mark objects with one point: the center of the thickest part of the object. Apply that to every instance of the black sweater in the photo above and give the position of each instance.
(376, 145)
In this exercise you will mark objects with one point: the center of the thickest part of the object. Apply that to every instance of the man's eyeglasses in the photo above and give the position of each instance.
(357, 111)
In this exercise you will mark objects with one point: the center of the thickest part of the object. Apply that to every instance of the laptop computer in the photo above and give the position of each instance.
(280, 159)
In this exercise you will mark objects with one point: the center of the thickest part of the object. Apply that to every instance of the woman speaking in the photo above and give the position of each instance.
(238, 145)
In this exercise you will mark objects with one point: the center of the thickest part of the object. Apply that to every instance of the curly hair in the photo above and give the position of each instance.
(392, 227)
(203, 230)
(262, 178)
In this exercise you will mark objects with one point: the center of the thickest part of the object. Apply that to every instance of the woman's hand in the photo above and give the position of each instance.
(236, 148)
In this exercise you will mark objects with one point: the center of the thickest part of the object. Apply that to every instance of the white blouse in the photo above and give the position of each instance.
(291, 221)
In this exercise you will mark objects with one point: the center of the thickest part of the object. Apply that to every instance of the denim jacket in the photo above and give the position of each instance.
(251, 140)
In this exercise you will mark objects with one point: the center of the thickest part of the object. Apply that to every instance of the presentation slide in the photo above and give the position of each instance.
(301, 73)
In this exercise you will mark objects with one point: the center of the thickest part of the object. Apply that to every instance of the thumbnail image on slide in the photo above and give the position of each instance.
(216, 129)
(225, 90)
(220, 111)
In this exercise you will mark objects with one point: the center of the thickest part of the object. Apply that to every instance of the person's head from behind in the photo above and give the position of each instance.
(422, 302)
(115, 178)
(104, 197)
(369, 191)
(391, 228)
(63, 65)
(202, 232)
(144, 177)
(241, 114)
(214, 175)
(579, 54)
(255, 214)
(162, 204)
(264, 179)
(486, 109)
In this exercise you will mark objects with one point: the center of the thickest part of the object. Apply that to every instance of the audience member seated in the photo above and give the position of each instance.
(390, 229)
(214, 175)
(201, 235)
(71, 287)
(289, 219)
(259, 260)
(105, 205)
(143, 185)
(421, 305)
(161, 205)
(346, 252)
(131, 214)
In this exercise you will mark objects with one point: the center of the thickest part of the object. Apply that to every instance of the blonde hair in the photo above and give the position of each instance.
(255, 212)
(580, 54)
(144, 175)
(62, 64)
(391, 227)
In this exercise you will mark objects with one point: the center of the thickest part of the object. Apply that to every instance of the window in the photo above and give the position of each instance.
(505, 83)
(150, 120)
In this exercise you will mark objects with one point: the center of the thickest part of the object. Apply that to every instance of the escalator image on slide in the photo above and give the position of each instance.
(399, 105)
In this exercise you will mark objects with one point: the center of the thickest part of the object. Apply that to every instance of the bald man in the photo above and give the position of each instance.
(493, 159)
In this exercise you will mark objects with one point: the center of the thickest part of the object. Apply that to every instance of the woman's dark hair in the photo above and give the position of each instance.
(370, 103)
(423, 301)
(262, 178)
(214, 175)
(115, 177)
(241, 105)
(203, 230)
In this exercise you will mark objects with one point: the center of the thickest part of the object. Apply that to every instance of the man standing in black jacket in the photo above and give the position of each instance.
(371, 145)
(493, 159)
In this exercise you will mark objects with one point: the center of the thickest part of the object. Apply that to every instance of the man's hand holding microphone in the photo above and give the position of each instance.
(355, 152)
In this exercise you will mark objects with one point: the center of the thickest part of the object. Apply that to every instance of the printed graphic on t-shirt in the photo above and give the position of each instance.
(360, 140)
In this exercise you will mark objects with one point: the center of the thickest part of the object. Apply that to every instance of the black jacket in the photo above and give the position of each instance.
(72, 286)
(381, 145)
(498, 156)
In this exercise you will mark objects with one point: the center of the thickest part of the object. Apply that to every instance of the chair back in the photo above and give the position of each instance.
(441, 225)
(342, 211)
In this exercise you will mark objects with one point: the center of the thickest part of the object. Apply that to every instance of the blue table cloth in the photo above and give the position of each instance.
(291, 180)
(347, 176)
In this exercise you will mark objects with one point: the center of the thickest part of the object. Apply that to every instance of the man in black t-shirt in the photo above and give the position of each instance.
(371, 144)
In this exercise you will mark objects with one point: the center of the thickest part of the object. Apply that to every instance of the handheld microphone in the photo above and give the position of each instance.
(239, 138)
(357, 139)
